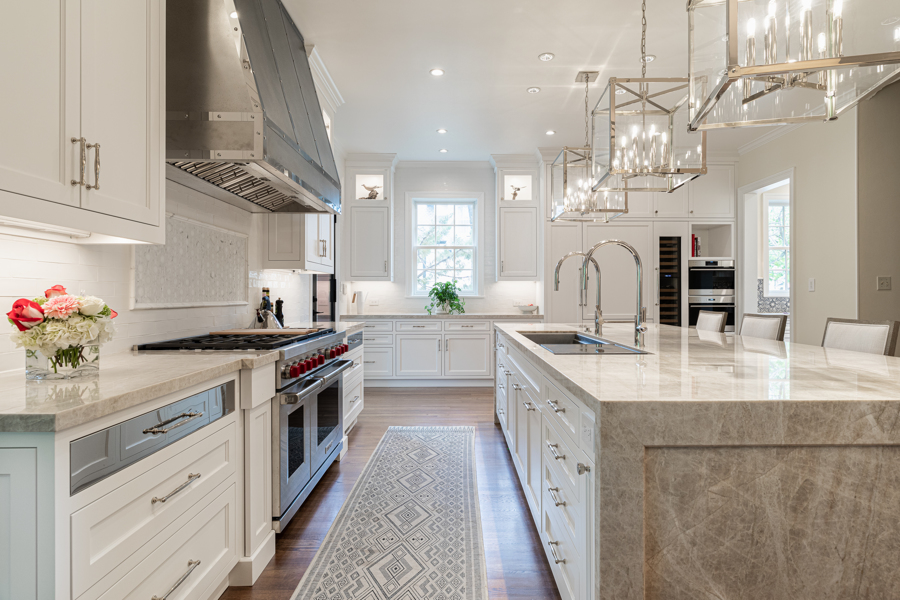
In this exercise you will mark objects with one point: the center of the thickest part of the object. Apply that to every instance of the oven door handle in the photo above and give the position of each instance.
(342, 365)
(307, 389)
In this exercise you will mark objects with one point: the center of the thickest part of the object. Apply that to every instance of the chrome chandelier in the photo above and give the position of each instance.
(641, 141)
(816, 60)
(571, 179)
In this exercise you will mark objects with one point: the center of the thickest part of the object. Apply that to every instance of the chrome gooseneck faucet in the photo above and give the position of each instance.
(640, 316)
(598, 314)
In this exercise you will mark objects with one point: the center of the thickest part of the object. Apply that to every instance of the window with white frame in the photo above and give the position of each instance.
(445, 244)
(778, 247)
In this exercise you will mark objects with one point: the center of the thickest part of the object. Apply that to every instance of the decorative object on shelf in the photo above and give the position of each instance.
(279, 311)
(516, 191)
(373, 192)
(445, 299)
(527, 308)
(641, 142)
(572, 195)
(819, 59)
(61, 333)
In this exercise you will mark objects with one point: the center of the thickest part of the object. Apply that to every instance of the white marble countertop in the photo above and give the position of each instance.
(126, 379)
(686, 365)
(444, 317)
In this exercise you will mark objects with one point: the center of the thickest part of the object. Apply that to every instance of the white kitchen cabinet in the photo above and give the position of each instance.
(18, 503)
(640, 205)
(379, 362)
(369, 241)
(518, 243)
(712, 195)
(299, 241)
(418, 355)
(528, 449)
(467, 355)
(673, 204)
(566, 304)
(95, 71)
(258, 477)
(618, 267)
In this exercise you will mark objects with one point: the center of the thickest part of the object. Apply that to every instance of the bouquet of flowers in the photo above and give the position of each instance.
(59, 326)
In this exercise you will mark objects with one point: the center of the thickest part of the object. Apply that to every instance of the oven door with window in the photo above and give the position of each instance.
(328, 419)
(706, 281)
(723, 304)
(293, 454)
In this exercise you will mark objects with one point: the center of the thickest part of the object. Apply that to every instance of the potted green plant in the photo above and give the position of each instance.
(445, 299)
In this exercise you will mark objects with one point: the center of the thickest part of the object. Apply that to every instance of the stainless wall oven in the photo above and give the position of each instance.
(723, 304)
(710, 277)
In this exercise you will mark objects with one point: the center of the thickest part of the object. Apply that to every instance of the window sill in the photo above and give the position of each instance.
(408, 297)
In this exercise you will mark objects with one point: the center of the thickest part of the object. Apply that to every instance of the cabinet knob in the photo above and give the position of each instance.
(656, 211)
(692, 212)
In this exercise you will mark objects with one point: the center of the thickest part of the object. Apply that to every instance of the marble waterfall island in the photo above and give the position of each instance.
(727, 467)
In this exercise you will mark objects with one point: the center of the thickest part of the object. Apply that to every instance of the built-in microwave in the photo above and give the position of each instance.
(710, 277)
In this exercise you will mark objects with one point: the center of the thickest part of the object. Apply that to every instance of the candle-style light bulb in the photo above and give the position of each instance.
(838, 7)
(806, 34)
(751, 27)
(837, 28)
(751, 55)
(771, 38)
(821, 43)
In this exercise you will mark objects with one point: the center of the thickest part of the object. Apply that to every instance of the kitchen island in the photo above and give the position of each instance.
(713, 467)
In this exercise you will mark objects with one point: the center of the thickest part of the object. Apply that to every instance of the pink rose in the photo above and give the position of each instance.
(25, 314)
(60, 307)
(56, 290)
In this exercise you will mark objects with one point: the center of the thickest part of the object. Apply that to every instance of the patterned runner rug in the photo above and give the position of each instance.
(411, 528)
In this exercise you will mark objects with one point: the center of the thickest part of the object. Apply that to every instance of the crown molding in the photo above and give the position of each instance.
(512, 161)
(771, 136)
(444, 164)
(325, 86)
(371, 160)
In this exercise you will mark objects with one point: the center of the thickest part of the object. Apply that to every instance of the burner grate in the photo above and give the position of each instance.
(233, 342)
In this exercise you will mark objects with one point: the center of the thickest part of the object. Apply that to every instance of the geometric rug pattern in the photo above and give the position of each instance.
(411, 527)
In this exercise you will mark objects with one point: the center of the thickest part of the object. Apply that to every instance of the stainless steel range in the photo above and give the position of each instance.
(307, 420)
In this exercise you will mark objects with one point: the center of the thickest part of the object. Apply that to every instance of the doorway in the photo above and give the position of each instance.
(766, 210)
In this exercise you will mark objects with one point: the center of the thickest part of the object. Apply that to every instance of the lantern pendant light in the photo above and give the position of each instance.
(641, 141)
(571, 179)
(819, 58)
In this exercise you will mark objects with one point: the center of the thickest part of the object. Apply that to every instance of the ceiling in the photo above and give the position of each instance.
(380, 54)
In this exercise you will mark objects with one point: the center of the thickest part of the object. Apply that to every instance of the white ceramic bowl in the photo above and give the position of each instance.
(527, 309)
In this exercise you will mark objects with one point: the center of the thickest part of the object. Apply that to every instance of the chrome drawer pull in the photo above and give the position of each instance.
(420, 326)
(556, 557)
(583, 468)
(354, 400)
(191, 478)
(81, 141)
(507, 373)
(555, 408)
(192, 564)
(157, 429)
(369, 362)
(553, 497)
(516, 386)
(553, 448)
(500, 385)
(527, 407)
(96, 185)
(368, 326)
(468, 326)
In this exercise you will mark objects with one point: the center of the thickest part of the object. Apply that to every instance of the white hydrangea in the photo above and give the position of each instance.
(56, 334)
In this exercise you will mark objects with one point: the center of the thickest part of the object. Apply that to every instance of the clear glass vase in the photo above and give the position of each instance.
(74, 362)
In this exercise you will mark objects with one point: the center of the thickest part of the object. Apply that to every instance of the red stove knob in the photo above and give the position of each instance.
(309, 363)
(302, 367)
(321, 360)
(340, 349)
(332, 353)
(295, 371)
(346, 347)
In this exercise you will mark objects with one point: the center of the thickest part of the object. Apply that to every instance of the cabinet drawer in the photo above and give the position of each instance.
(208, 538)
(371, 326)
(565, 468)
(378, 339)
(378, 362)
(110, 529)
(500, 344)
(357, 369)
(353, 395)
(564, 411)
(569, 571)
(570, 511)
(466, 326)
(421, 326)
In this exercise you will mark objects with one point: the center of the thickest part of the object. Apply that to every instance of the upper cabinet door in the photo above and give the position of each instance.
(326, 234)
(313, 241)
(518, 243)
(284, 237)
(369, 239)
(123, 96)
(673, 204)
(41, 105)
(712, 195)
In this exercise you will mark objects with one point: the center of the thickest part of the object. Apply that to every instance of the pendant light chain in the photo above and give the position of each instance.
(643, 38)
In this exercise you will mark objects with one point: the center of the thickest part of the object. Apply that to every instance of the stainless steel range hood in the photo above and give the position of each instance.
(243, 122)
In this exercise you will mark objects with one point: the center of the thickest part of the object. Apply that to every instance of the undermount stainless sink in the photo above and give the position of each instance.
(572, 342)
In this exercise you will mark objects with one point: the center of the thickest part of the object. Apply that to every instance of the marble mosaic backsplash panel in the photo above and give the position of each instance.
(770, 304)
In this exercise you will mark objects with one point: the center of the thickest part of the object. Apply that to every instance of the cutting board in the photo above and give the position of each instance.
(264, 332)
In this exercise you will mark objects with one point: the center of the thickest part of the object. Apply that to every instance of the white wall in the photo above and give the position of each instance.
(824, 235)
(444, 177)
(29, 266)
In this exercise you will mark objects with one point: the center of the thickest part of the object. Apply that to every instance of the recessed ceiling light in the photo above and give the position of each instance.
(546, 56)
(650, 58)
(437, 72)
(443, 150)
(234, 15)
(442, 131)
(533, 90)
(619, 91)
(551, 132)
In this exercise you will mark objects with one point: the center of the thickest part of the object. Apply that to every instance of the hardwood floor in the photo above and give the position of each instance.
(516, 564)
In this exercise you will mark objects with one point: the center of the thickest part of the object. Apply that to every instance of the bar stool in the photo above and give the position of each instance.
(765, 326)
(872, 337)
(708, 320)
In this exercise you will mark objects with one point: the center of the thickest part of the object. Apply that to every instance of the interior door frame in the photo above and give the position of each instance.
(758, 188)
